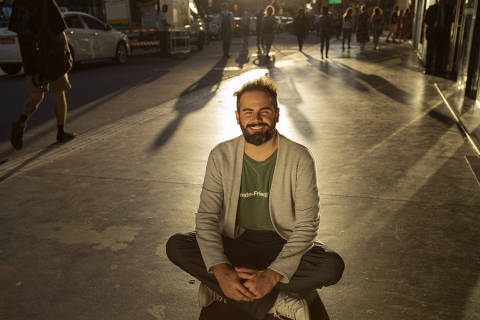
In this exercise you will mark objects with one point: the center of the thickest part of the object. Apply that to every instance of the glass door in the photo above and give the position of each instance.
(471, 89)
(465, 40)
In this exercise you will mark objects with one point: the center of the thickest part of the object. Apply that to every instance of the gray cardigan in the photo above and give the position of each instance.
(293, 202)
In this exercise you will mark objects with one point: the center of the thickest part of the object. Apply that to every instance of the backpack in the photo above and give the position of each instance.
(226, 24)
(51, 55)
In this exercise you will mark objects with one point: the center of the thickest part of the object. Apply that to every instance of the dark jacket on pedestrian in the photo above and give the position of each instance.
(300, 25)
(436, 26)
(362, 28)
(26, 21)
(325, 23)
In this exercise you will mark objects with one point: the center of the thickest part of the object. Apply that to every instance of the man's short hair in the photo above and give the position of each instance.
(263, 84)
(165, 7)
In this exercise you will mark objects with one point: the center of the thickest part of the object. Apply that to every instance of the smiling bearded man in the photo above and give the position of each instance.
(254, 243)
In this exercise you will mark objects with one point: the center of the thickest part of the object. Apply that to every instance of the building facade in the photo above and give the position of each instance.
(463, 53)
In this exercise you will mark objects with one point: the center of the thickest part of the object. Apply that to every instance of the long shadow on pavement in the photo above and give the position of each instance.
(212, 80)
(93, 84)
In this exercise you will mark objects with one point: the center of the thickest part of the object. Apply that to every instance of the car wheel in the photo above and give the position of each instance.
(121, 53)
(11, 68)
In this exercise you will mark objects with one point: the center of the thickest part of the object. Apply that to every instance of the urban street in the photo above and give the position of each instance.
(83, 225)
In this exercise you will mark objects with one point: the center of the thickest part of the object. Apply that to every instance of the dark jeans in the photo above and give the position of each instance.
(319, 267)
(437, 54)
(226, 45)
(300, 38)
(347, 35)
(163, 41)
(324, 42)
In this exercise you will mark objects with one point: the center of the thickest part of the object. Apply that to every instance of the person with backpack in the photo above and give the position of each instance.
(268, 29)
(226, 29)
(46, 61)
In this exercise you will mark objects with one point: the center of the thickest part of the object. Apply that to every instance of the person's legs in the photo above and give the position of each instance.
(343, 39)
(36, 96)
(226, 46)
(60, 107)
(164, 42)
(59, 87)
(319, 267)
(183, 251)
(349, 37)
(322, 42)
(327, 45)
(300, 41)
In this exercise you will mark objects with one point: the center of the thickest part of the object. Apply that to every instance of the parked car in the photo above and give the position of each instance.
(88, 38)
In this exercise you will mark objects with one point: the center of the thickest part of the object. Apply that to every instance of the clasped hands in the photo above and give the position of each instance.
(244, 284)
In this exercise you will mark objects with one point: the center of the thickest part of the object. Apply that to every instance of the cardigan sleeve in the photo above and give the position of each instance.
(307, 220)
(207, 219)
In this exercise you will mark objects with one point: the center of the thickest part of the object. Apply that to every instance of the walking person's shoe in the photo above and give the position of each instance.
(16, 136)
(63, 136)
(290, 305)
(207, 296)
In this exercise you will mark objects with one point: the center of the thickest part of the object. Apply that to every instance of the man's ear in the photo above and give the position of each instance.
(237, 115)
(277, 115)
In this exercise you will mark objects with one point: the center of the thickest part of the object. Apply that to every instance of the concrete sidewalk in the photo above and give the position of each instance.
(84, 225)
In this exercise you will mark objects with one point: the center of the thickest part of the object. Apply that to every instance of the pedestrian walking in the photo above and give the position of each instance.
(46, 66)
(363, 26)
(163, 26)
(347, 27)
(226, 29)
(254, 244)
(258, 30)
(245, 29)
(377, 23)
(394, 23)
(268, 29)
(406, 25)
(300, 27)
(326, 28)
(438, 21)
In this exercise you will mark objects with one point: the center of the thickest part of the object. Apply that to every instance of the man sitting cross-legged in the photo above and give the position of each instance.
(254, 242)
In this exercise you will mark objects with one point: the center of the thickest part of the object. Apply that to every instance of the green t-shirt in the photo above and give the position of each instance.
(253, 209)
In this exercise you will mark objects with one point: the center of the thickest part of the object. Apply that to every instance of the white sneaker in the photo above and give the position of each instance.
(290, 305)
(207, 296)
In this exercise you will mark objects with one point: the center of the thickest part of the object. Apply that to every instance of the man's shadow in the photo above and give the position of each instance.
(222, 311)
(211, 79)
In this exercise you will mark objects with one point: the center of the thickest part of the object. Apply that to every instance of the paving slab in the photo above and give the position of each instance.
(83, 226)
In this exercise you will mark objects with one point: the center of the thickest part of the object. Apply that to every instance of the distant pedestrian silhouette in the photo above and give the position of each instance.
(362, 28)
(377, 22)
(300, 26)
(347, 27)
(326, 28)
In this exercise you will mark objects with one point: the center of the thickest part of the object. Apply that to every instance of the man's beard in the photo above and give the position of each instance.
(258, 138)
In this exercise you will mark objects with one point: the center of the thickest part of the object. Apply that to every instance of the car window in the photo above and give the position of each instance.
(74, 21)
(93, 23)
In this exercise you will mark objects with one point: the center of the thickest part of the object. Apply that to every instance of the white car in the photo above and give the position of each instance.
(88, 38)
